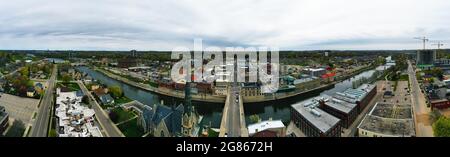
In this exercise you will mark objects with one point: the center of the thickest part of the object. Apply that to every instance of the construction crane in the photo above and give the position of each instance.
(438, 44)
(424, 40)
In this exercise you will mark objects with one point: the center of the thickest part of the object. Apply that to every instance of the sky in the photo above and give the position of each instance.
(164, 25)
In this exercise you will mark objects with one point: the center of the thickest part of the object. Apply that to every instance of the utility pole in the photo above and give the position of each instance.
(424, 40)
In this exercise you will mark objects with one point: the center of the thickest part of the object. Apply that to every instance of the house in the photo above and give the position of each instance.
(39, 87)
(100, 91)
(95, 87)
(31, 92)
(164, 121)
(106, 99)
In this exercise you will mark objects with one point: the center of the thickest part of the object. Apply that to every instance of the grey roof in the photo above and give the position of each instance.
(389, 119)
(106, 98)
(323, 122)
(340, 105)
(172, 117)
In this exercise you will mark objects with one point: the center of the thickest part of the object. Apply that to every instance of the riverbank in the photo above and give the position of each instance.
(207, 97)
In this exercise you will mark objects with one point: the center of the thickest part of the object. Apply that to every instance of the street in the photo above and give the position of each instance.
(40, 126)
(421, 112)
(107, 125)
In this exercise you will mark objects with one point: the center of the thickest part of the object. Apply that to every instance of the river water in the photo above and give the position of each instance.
(212, 112)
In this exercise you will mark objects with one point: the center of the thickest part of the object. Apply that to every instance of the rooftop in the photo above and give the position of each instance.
(74, 119)
(317, 117)
(340, 105)
(353, 95)
(264, 125)
(389, 119)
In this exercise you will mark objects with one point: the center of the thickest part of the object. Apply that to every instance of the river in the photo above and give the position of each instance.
(212, 112)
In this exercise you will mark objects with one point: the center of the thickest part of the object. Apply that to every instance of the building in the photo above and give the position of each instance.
(306, 83)
(388, 120)
(251, 90)
(269, 128)
(360, 96)
(425, 58)
(343, 110)
(314, 72)
(126, 62)
(106, 99)
(4, 120)
(31, 92)
(314, 122)
(73, 118)
(164, 121)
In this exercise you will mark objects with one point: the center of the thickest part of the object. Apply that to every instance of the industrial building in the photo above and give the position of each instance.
(388, 120)
(360, 96)
(343, 110)
(313, 121)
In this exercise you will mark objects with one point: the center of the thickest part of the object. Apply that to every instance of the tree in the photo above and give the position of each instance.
(254, 118)
(113, 116)
(116, 91)
(441, 127)
(85, 99)
(66, 78)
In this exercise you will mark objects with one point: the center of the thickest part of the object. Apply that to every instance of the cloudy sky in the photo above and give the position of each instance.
(163, 25)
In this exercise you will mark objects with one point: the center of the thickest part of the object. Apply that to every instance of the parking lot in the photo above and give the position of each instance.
(19, 108)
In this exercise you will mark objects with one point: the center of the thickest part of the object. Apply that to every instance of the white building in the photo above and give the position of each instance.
(74, 119)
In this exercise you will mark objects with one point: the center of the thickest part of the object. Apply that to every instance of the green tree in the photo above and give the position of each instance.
(66, 78)
(254, 118)
(441, 127)
(116, 91)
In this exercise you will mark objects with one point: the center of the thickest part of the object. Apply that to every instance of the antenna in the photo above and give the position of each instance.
(424, 40)
(438, 44)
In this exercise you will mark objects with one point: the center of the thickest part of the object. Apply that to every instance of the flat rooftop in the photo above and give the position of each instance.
(340, 105)
(389, 119)
(388, 126)
(395, 111)
(317, 117)
(264, 125)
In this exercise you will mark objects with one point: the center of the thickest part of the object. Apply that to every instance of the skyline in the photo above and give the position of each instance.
(161, 26)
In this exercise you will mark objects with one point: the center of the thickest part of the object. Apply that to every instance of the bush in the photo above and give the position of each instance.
(441, 127)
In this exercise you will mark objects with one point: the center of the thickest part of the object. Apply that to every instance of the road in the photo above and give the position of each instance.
(106, 123)
(40, 126)
(234, 123)
(421, 112)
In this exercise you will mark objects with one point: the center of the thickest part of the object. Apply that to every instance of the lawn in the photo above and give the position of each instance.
(404, 78)
(122, 115)
(131, 129)
(212, 133)
(71, 86)
(122, 100)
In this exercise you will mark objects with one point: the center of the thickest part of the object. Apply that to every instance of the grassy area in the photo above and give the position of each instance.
(131, 129)
(71, 86)
(212, 133)
(122, 100)
(121, 115)
(403, 78)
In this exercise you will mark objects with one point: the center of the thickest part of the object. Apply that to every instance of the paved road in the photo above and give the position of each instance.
(108, 126)
(234, 123)
(40, 127)
(423, 126)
